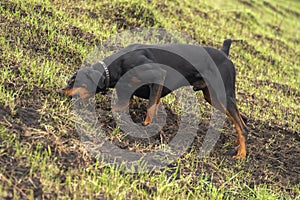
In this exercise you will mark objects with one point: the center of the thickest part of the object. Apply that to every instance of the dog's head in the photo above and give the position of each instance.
(84, 83)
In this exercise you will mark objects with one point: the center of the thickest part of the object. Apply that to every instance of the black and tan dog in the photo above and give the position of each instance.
(202, 67)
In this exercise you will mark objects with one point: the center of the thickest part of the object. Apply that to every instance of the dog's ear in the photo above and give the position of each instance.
(94, 76)
(97, 78)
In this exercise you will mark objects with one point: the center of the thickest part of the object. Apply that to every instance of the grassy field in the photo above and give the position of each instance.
(41, 155)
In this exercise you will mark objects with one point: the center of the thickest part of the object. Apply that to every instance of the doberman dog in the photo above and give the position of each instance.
(194, 63)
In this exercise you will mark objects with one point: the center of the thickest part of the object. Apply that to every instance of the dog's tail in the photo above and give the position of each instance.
(227, 43)
(226, 46)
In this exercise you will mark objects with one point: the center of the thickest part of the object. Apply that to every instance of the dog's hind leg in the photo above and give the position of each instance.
(233, 113)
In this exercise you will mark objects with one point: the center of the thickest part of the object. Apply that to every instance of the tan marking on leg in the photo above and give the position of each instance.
(241, 140)
(150, 114)
(152, 110)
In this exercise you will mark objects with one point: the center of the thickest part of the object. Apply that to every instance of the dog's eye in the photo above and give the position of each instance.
(70, 81)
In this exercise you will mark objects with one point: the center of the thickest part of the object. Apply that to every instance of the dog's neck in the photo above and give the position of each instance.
(107, 76)
(114, 67)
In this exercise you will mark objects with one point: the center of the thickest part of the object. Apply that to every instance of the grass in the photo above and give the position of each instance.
(43, 42)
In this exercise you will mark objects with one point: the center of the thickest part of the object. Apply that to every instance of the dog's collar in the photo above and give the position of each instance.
(107, 77)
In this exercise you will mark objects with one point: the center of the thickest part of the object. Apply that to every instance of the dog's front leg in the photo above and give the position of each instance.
(154, 97)
(159, 76)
